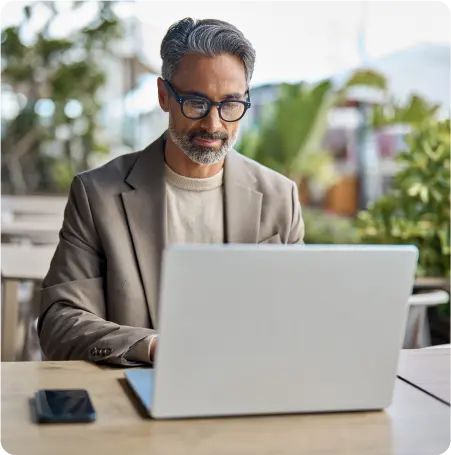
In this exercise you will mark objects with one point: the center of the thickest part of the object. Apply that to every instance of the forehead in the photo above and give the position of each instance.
(215, 76)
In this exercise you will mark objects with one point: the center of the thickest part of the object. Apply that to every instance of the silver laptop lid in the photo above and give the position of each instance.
(247, 329)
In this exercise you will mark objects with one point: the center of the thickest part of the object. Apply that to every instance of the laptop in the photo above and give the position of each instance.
(277, 329)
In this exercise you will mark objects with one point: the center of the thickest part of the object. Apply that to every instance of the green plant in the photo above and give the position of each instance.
(413, 112)
(289, 139)
(290, 136)
(365, 77)
(56, 71)
(326, 228)
(417, 210)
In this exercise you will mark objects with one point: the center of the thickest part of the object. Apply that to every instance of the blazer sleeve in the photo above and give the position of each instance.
(72, 321)
(297, 230)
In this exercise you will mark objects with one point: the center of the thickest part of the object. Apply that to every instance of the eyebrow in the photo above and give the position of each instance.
(229, 96)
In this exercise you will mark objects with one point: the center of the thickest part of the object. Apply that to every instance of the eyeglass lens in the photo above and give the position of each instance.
(197, 108)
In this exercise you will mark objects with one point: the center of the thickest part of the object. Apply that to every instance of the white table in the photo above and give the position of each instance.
(427, 369)
(37, 219)
(34, 204)
(19, 263)
(37, 229)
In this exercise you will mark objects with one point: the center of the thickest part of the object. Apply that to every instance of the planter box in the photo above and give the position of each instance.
(343, 197)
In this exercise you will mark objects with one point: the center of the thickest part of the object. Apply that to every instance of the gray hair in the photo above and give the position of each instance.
(210, 37)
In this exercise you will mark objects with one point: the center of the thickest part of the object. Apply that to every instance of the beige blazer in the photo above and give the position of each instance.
(100, 296)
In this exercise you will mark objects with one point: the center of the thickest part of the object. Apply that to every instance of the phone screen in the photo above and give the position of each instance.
(64, 406)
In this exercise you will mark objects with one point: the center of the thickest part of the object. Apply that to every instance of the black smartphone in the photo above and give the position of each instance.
(64, 406)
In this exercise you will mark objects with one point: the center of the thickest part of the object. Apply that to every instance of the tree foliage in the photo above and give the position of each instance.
(60, 71)
(417, 210)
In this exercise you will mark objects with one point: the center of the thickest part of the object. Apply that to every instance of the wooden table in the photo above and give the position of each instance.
(19, 263)
(415, 423)
(427, 369)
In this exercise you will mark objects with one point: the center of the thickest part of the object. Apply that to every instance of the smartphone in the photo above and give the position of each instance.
(64, 406)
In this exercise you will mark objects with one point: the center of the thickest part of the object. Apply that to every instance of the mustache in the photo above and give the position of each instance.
(209, 136)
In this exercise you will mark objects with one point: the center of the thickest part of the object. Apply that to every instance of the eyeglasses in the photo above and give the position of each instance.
(197, 107)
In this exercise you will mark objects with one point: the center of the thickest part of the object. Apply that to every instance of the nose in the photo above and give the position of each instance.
(212, 122)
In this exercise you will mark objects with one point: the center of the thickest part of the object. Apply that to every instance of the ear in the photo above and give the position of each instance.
(163, 95)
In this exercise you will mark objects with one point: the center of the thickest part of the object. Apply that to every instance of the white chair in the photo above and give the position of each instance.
(35, 219)
(20, 263)
(418, 334)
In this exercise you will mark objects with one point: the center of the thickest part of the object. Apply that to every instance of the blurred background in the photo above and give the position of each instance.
(351, 100)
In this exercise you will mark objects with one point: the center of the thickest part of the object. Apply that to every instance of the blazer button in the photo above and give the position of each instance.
(104, 351)
(93, 351)
(108, 351)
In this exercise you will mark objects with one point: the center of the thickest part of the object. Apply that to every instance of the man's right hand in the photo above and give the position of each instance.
(153, 345)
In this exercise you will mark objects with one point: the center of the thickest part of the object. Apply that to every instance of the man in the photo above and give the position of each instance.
(100, 297)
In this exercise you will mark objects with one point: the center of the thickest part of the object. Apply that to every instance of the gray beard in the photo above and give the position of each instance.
(197, 153)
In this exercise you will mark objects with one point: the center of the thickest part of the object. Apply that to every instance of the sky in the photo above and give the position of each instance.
(294, 39)
(309, 39)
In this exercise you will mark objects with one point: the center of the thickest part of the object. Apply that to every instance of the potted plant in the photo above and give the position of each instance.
(417, 209)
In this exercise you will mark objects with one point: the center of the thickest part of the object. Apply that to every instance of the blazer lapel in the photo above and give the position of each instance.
(145, 209)
(242, 203)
